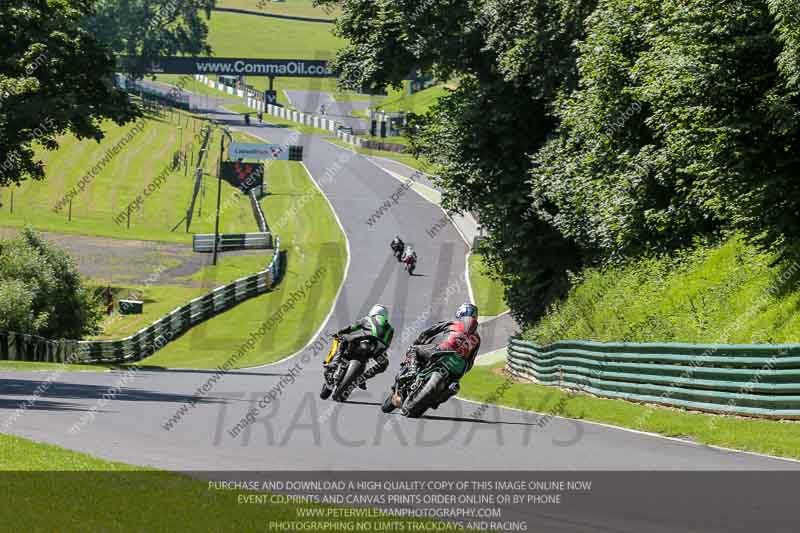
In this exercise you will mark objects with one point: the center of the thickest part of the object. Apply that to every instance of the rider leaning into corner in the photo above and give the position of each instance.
(373, 333)
(459, 335)
(398, 246)
(409, 255)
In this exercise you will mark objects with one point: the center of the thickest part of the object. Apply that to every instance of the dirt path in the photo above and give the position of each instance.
(127, 262)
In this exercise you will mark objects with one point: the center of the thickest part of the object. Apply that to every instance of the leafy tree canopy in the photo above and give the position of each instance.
(41, 291)
(149, 29)
(55, 77)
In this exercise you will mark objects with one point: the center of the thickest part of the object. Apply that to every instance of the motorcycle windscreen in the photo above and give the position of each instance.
(334, 347)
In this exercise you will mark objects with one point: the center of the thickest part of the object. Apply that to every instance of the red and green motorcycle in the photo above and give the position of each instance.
(416, 390)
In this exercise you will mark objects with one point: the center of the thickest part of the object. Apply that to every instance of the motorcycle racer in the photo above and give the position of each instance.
(372, 332)
(459, 335)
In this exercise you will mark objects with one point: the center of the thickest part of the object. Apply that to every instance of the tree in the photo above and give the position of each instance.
(787, 16)
(682, 126)
(55, 77)
(149, 29)
(41, 291)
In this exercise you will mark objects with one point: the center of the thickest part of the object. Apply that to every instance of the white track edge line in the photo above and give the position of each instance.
(636, 431)
(338, 293)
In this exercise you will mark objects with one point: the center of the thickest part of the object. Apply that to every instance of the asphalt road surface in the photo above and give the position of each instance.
(297, 430)
(340, 111)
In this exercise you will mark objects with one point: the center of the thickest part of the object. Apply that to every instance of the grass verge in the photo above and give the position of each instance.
(25, 366)
(488, 291)
(730, 293)
(406, 159)
(301, 216)
(85, 493)
(162, 299)
(158, 301)
(418, 103)
(763, 436)
(115, 183)
(238, 35)
(123, 179)
(296, 8)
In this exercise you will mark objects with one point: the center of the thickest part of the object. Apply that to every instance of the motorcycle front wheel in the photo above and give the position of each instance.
(388, 404)
(344, 388)
(325, 392)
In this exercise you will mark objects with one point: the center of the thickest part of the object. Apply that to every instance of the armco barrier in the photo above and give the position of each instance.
(19, 347)
(258, 213)
(228, 242)
(306, 119)
(750, 380)
(145, 342)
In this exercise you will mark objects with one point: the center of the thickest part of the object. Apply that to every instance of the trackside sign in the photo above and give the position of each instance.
(292, 68)
(263, 152)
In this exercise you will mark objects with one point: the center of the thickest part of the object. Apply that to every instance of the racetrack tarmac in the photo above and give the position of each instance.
(293, 428)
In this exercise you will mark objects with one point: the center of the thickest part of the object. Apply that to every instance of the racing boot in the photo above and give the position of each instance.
(448, 393)
(452, 390)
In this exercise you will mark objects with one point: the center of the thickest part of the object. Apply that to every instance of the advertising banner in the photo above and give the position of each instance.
(232, 66)
(244, 176)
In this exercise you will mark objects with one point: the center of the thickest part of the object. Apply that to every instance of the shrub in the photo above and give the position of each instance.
(42, 292)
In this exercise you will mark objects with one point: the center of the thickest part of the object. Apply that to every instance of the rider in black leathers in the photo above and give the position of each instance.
(397, 247)
(377, 331)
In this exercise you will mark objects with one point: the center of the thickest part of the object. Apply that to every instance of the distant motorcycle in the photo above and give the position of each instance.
(416, 390)
(410, 262)
(397, 251)
(341, 379)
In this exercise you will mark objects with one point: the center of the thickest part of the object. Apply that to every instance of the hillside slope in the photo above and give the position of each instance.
(730, 293)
